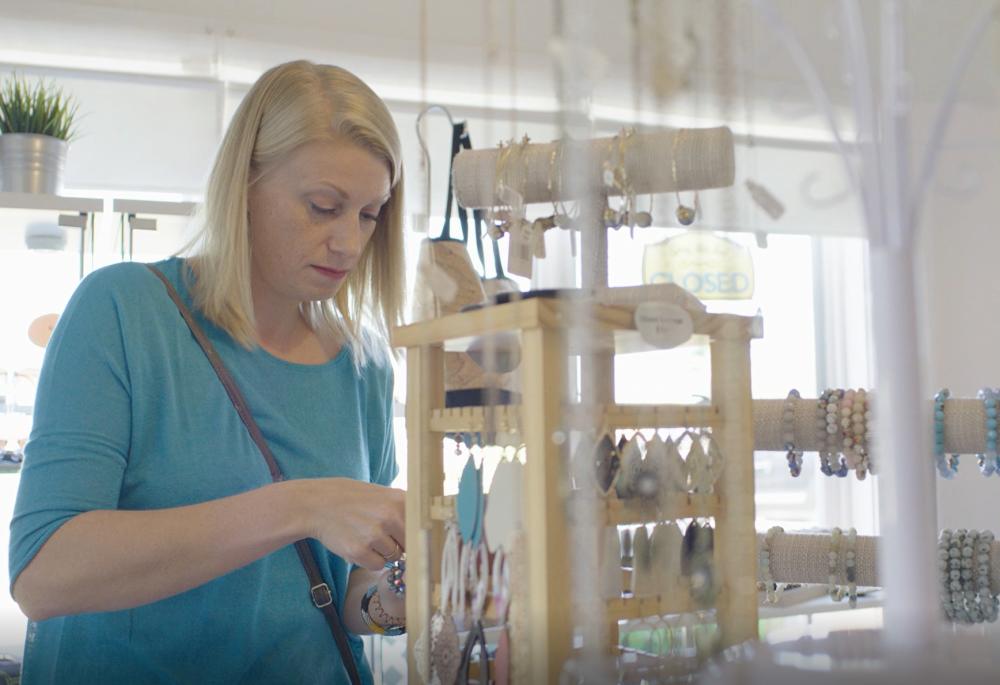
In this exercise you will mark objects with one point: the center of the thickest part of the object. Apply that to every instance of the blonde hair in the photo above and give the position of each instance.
(290, 105)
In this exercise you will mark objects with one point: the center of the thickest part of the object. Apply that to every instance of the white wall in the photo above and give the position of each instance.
(961, 244)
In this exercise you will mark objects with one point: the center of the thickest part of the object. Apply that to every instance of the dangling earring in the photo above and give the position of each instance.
(685, 215)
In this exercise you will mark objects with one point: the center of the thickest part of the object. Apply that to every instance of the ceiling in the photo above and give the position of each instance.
(469, 43)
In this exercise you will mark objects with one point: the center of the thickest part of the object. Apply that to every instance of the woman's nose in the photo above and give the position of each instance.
(345, 236)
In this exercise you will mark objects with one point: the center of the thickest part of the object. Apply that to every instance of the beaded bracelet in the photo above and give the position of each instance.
(397, 571)
(988, 459)
(987, 602)
(833, 440)
(821, 435)
(771, 589)
(858, 433)
(850, 567)
(833, 565)
(794, 456)
(968, 577)
(946, 467)
(955, 566)
(846, 435)
(949, 585)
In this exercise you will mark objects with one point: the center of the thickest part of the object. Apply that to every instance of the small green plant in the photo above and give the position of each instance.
(36, 108)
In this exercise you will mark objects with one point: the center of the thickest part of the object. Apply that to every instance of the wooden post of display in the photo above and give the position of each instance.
(425, 481)
(549, 600)
(735, 535)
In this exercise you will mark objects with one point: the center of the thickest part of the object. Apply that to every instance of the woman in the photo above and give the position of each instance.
(149, 543)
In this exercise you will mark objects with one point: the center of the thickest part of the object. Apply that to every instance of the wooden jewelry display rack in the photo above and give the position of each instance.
(549, 339)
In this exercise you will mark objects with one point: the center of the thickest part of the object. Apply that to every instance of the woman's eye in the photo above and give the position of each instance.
(322, 210)
(370, 217)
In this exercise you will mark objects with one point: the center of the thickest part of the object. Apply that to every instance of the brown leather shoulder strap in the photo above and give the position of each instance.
(319, 591)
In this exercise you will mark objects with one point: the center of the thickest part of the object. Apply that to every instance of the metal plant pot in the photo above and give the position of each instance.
(31, 163)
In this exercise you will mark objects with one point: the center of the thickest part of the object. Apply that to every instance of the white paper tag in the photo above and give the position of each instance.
(663, 324)
(519, 249)
(537, 241)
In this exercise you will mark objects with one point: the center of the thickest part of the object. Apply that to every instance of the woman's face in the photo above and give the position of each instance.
(311, 215)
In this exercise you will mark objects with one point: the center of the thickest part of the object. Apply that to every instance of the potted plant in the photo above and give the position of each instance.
(36, 124)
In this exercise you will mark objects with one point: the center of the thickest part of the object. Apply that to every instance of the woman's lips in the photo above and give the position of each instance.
(330, 273)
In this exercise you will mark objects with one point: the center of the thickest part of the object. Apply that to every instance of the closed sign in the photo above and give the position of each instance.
(708, 266)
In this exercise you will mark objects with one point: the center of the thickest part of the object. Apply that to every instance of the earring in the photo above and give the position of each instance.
(606, 463)
(685, 215)
(631, 468)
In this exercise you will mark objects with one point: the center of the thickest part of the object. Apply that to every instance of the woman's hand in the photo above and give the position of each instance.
(360, 522)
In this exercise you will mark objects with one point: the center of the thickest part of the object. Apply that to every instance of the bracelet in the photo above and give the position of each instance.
(834, 442)
(397, 570)
(968, 581)
(824, 457)
(794, 456)
(988, 459)
(987, 602)
(850, 567)
(771, 590)
(950, 584)
(846, 435)
(947, 467)
(858, 433)
(833, 566)
(371, 623)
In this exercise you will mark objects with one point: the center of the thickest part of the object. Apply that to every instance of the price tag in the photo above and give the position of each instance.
(519, 249)
(663, 324)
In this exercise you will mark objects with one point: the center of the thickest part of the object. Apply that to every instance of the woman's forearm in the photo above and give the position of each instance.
(112, 560)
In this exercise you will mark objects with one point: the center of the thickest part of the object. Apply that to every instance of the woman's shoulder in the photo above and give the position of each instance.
(128, 278)
(122, 291)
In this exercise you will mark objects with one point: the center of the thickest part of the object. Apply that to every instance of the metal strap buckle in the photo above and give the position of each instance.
(321, 595)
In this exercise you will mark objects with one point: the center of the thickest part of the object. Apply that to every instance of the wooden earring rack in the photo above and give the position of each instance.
(549, 351)
(546, 353)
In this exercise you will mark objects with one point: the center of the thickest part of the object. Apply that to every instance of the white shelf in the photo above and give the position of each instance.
(56, 203)
(154, 207)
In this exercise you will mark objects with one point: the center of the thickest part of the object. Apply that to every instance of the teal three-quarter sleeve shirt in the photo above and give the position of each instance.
(130, 415)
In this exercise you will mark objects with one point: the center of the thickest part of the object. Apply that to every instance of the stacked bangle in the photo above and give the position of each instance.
(947, 467)
(964, 564)
(794, 456)
(771, 590)
(850, 567)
